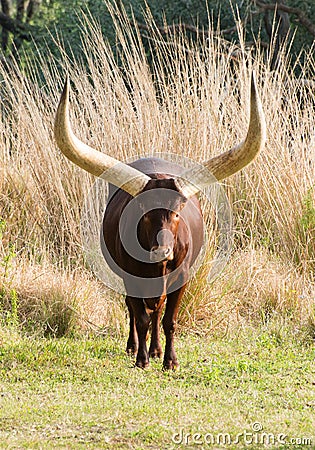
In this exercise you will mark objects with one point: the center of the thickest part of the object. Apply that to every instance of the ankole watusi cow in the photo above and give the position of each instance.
(152, 228)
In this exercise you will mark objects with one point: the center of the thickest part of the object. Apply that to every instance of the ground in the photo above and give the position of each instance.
(252, 390)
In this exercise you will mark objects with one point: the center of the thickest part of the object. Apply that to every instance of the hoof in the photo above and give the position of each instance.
(170, 365)
(155, 353)
(132, 350)
(142, 364)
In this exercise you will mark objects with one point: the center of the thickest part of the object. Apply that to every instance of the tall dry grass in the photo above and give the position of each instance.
(191, 100)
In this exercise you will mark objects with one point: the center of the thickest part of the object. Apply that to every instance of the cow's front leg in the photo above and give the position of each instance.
(132, 343)
(169, 326)
(142, 320)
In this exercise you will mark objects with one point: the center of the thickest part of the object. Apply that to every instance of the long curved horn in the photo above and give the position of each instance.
(233, 160)
(97, 163)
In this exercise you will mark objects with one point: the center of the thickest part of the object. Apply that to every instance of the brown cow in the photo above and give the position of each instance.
(153, 229)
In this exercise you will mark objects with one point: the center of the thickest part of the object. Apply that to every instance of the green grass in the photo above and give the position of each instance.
(85, 393)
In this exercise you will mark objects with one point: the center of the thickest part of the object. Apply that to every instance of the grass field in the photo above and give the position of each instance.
(254, 389)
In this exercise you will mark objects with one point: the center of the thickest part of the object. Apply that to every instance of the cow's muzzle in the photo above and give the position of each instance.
(161, 253)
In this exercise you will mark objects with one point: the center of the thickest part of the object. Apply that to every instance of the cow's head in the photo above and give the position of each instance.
(161, 205)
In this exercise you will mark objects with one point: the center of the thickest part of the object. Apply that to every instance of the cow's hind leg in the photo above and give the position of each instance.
(132, 343)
